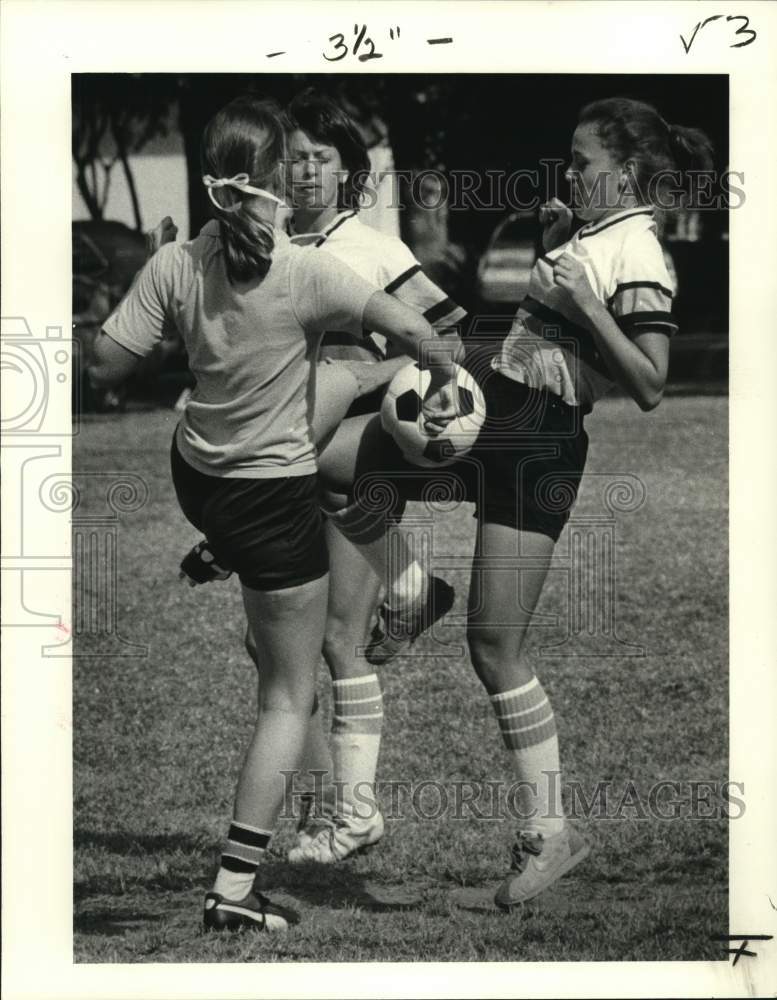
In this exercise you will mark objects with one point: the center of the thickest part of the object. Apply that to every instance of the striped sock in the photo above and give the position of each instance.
(241, 855)
(528, 728)
(356, 729)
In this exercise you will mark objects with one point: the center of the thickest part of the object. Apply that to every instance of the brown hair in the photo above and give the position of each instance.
(245, 137)
(634, 130)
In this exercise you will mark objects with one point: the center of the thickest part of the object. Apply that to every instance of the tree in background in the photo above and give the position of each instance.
(114, 116)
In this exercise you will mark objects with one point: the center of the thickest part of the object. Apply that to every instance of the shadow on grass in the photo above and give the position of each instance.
(112, 923)
(337, 887)
(120, 842)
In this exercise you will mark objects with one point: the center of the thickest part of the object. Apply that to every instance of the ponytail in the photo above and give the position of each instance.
(663, 154)
(248, 241)
(691, 149)
(243, 149)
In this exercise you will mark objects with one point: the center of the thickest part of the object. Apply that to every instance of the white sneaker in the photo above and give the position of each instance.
(335, 839)
(538, 862)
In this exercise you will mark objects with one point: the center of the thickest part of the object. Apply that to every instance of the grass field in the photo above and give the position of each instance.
(158, 739)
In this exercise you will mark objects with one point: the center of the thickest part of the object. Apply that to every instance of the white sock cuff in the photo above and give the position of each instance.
(524, 689)
(354, 681)
(252, 829)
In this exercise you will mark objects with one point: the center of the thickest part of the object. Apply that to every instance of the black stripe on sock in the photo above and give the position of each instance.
(237, 864)
(250, 838)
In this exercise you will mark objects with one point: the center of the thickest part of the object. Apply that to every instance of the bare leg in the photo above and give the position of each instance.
(354, 451)
(316, 769)
(288, 659)
(502, 599)
(508, 574)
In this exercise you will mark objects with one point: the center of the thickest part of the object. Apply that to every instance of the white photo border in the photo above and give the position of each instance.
(43, 43)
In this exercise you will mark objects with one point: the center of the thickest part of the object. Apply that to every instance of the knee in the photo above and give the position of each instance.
(495, 659)
(340, 645)
(358, 525)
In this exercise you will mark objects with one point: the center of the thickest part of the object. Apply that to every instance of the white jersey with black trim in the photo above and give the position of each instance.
(390, 265)
(549, 345)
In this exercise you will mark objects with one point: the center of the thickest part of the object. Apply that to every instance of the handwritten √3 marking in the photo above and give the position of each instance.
(742, 29)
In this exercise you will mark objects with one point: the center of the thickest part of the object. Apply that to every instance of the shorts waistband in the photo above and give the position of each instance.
(550, 399)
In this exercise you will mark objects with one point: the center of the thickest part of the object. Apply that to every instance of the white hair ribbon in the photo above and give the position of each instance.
(241, 183)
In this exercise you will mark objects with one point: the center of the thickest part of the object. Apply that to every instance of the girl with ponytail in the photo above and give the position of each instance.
(598, 314)
(252, 308)
(237, 162)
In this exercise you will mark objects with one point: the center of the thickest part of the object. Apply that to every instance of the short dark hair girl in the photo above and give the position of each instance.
(323, 120)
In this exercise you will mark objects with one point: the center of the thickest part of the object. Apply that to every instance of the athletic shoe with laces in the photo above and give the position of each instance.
(307, 823)
(538, 862)
(199, 566)
(336, 838)
(254, 910)
(394, 633)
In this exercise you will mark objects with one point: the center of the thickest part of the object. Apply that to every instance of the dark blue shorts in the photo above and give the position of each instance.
(268, 531)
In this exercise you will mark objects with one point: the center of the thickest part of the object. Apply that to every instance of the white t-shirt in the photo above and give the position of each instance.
(252, 348)
(549, 346)
(384, 261)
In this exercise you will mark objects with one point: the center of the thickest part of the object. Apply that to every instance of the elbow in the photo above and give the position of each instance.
(648, 400)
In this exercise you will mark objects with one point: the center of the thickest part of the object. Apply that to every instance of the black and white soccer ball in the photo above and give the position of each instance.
(401, 416)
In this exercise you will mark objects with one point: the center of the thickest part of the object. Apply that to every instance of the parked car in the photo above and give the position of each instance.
(699, 267)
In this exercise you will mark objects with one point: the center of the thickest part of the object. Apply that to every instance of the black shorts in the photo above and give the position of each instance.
(524, 470)
(370, 402)
(268, 531)
(528, 459)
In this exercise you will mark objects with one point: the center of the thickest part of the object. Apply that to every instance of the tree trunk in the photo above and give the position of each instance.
(90, 200)
(121, 147)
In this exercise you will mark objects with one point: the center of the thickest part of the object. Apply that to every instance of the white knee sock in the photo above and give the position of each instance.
(356, 729)
(528, 728)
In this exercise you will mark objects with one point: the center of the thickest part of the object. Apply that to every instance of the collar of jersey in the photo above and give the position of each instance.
(591, 228)
(319, 238)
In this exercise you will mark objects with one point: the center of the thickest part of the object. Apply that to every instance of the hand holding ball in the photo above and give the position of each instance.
(402, 416)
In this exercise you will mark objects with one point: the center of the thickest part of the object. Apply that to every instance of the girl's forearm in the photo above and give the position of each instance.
(632, 369)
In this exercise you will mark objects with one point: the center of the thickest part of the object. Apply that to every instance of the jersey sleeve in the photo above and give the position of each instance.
(404, 278)
(141, 318)
(326, 294)
(641, 301)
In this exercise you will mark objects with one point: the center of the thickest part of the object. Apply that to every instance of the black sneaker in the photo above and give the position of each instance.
(254, 910)
(199, 566)
(394, 633)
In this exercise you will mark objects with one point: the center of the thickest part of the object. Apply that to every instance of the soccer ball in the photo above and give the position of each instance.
(401, 416)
